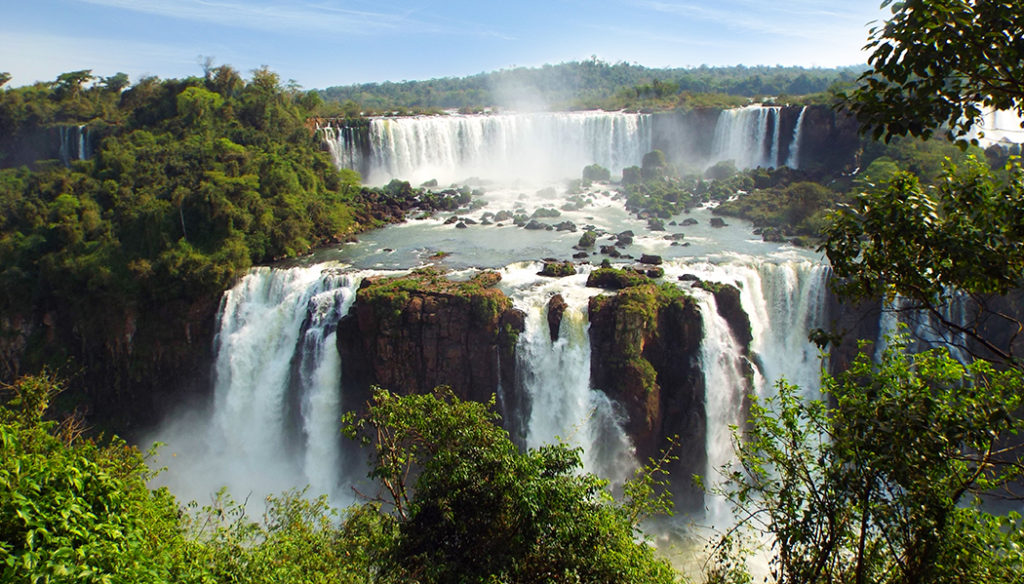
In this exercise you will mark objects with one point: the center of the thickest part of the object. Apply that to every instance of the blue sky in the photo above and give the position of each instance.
(320, 43)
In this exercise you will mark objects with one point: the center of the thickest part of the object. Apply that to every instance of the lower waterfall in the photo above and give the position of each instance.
(724, 396)
(556, 376)
(274, 422)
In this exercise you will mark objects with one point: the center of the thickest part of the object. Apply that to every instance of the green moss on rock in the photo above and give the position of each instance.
(615, 279)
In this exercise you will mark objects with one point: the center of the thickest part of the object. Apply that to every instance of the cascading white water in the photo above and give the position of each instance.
(725, 388)
(275, 350)
(276, 354)
(742, 135)
(342, 145)
(794, 146)
(534, 147)
(556, 375)
(277, 400)
(74, 143)
(784, 302)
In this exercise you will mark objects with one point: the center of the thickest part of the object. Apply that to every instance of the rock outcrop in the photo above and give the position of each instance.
(644, 354)
(412, 333)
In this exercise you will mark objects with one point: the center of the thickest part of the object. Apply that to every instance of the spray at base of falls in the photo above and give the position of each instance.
(275, 418)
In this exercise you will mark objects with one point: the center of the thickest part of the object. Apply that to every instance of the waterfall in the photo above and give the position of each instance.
(556, 376)
(343, 146)
(783, 302)
(794, 146)
(535, 147)
(277, 402)
(725, 389)
(749, 136)
(74, 143)
(277, 405)
(926, 330)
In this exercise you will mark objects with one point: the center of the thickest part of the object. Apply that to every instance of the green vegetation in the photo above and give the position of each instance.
(191, 182)
(594, 84)
(469, 507)
(636, 309)
(884, 484)
(894, 476)
(928, 243)
(72, 510)
(615, 279)
(558, 269)
(798, 209)
(463, 505)
(393, 294)
(937, 63)
(596, 173)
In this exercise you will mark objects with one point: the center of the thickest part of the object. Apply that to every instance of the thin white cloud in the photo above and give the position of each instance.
(263, 16)
(797, 20)
(291, 17)
(649, 37)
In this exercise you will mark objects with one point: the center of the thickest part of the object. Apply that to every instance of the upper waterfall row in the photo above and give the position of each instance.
(544, 147)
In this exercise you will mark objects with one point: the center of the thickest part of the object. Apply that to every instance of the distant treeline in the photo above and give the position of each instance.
(586, 84)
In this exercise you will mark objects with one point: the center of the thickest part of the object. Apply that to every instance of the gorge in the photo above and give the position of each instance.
(617, 373)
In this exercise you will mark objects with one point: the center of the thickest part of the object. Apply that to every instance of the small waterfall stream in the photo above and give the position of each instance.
(277, 401)
(794, 146)
(749, 136)
(725, 389)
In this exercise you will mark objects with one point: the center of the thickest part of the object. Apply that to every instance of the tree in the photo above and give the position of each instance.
(471, 508)
(197, 105)
(886, 484)
(72, 510)
(70, 84)
(929, 245)
(938, 63)
(116, 83)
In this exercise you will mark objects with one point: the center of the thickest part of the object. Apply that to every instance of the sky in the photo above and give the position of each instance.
(323, 43)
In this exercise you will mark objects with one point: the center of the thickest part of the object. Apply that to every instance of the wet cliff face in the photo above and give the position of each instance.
(413, 333)
(830, 141)
(122, 367)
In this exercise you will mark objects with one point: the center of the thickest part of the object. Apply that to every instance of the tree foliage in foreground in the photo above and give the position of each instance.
(887, 484)
(937, 63)
(469, 507)
(926, 244)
